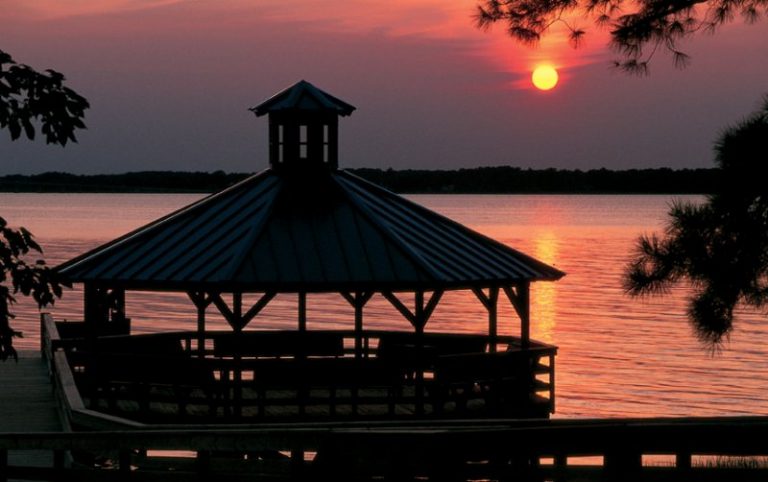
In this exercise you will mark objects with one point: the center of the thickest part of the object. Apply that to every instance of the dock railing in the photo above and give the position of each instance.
(497, 450)
(236, 376)
(666, 449)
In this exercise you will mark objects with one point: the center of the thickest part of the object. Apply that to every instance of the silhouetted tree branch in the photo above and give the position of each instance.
(28, 97)
(30, 279)
(638, 28)
(720, 247)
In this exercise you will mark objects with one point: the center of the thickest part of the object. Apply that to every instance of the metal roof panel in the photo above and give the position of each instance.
(327, 231)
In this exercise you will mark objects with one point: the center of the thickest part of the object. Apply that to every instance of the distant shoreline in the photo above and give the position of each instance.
(481, 180)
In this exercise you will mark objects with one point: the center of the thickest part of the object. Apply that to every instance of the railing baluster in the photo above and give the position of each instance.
(683, 460)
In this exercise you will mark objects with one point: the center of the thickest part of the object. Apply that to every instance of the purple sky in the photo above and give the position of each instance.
(170, 83)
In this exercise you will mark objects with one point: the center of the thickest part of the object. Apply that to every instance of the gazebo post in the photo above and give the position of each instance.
(237, 307)
(358, 301)
(359, 304)
(420, 320)
(302, 311)
(201, 302)
(419, 313)
(116, 311)
(237, 327)
(201, 330)
(493, 310)
(95, 309)
(521, 301)
(524, 296)
(490, 301)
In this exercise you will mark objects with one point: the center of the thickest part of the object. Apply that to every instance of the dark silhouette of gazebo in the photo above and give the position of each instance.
(304, 226)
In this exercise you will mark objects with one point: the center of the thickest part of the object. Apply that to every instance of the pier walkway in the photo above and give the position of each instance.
(28, 404)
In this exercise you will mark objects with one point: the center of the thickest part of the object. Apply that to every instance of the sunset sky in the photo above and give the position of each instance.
(170, 82)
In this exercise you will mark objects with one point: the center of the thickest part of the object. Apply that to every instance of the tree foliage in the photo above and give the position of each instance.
(28, 96)
(17, 275)
(638, 28)
(720, 246)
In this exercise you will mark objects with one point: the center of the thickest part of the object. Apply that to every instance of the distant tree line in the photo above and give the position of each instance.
(142, 181)
(481, 180)
(511, 180)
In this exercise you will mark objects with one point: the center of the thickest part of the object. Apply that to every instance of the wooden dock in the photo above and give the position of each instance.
(28, 404)
(32, 439)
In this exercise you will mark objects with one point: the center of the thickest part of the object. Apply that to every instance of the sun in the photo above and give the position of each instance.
(544, 77)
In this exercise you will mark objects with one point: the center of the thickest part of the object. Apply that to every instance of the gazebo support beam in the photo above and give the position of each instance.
(399, 306)
(235, 316)
(421, 313)
(490, 301)
(521, 301)
(358, 301)
(257, 307)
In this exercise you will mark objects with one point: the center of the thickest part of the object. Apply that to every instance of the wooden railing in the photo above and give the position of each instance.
(424, 450)
(315, 373)
(491, 449)
(72, 410)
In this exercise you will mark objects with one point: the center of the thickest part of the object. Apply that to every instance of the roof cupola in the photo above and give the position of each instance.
(303, 127)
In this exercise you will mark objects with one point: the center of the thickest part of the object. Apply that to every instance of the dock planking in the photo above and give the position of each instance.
(28, 404)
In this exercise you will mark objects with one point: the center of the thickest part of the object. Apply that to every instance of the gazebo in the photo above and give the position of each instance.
(304, 226)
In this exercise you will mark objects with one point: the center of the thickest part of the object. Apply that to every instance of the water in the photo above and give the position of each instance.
(618, 356)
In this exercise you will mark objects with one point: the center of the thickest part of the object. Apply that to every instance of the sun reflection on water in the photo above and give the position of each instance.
(544, 295)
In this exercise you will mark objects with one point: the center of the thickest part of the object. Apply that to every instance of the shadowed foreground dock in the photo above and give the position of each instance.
(434, 450)
(28, 404)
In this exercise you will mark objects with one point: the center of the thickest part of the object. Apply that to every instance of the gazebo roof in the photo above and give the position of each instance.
(303, 96)
(318, 231)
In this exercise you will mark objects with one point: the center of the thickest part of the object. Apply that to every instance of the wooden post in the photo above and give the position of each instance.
(421, 321)
(117, 312)
(622, 465)
(521, 301)
(358, 301)
(237, 359)
(359, 304)
(490, 301)
(560, 465)
(201, 301)
(237, 307)
(302, 311)
(201, 328)
(297, 464)
(493, 310)
(301, 353)
(95, 309)
(524, 297)
(203, 463)
(418, 312)
(683, 460)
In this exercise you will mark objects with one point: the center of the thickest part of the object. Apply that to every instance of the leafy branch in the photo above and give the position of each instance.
(638, 28)
(28, 96)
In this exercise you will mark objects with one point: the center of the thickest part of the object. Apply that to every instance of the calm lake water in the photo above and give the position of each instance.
(618, 356)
